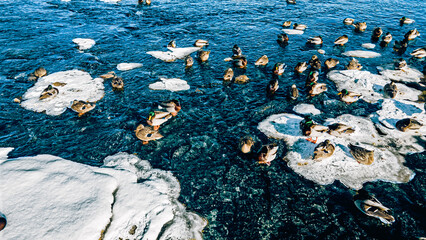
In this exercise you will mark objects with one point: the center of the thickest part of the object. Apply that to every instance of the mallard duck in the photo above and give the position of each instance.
(203, 55)
(340, 129)
(241, 79)
(315, 63)
(361, 154)
(400, 46)
(308, 127)
(282, 39)
(405, 20)
(412, 34)
(82, 107)
(172, 44)
(349, 96)
(201, 43)
(354, 65)
(189, 61)
(312, 78)
(147, 134)
(401, 64)
(408, 124)
(279, 69)
(262, 61)
(317, 88)
(342, 40)
(387, 38)
(245, 144)
(3, 221)
(287, 24)
(49, 93)
(331, 63)
(272, 87)
(390, 90)
(323, 150)
(267, 153)
(372, 207)
(299, 26)
(236, 51)
(294, 92)
(377, 32)
(291, 1)
(117, 83)
(360, 26)
(419, 53)
(348, 21)
(228, 75)
(315, 40)
(301, 67)
(156, 118)
(38, 73)
(240, 62)
(147, 2)
(171, 106)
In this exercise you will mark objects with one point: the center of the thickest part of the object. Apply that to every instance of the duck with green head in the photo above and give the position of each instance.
(156, 118)
(349, 96)
(309, 127)
(49, 93)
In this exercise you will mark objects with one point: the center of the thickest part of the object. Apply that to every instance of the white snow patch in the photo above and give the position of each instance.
(171, 84)
(362, 54)
(47, 197)
(368, 45)
(293, 31)
(173, 54)
(409, 75)
(128, 66)
(79, 85)
(303, 108)
(111, 1)
(84, 43)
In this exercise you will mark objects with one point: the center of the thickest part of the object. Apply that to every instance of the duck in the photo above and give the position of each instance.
(360, 26)
(172, 44)
(236, 51)
(370, 206)
(240, 62)
(400, 46)
(386, 39)
(291, 1)
(117, 84)
(349, 96)
(82, 107)
(354, 65)
(203, 55)
(419, 53)
(315, 40)
(312, 78)
(262, 61)
(301, 27)
(390, 90)
(279, 69)
(287, 24)
(339, 129)
(49, 93)
(323, 150)
(241, 79)
(317, 88)
(189, 61)
(401, 64)
(331, 63)
(412, 34)
(171, 106)
(377, 32)
(201, 43)
(348, 21)
(282, 39)
(108, 75)
(301, 67)
(405, 20)
(38, 73)
(309, 127)
(147, 2)
(245, 144)
(228, 75)
(315, 63)
(147, 133)
(272, 87)
(342, 40)
(267, 153)
(156, 118)
(362, 155)
(294, 92)
(406, 124)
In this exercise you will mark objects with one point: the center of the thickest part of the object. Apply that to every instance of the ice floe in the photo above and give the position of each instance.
(173, 54)
(387, 166)
(171, 84)
(128, 66)
(72, 85)
(303, 108)
(293, 31)
(368, 45)
(84, 43)
(362, 54)
(47, 197)
(409, 75)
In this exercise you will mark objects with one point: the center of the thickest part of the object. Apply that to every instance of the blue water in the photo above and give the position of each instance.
(239, 198)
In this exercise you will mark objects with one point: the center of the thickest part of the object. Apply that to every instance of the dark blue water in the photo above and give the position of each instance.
(239, 198)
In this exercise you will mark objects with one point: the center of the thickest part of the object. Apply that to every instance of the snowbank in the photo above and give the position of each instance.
(303, 108)
(362, 54)
(293, 31)
(173, 54)
(47, 197)
(171, 84)
(84, 43)
(72, 85)
(128, 66)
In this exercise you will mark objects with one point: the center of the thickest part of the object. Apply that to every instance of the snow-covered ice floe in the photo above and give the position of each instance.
(362, 54)
(368, 45)
(111, 1)
(171, 84)
(369, 85)
(303, 108)
(84, 43)
(173, 54)
(409, 75)
(72, 85)
(47, 197)
(128, 66)
(293, 31)
(387, 165)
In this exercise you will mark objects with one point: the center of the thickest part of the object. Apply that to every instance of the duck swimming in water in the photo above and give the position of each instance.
(156, 118)
(360, 26)
(272, 87)
(282, 40)
(342, 40)
(309, 127)
(400, 46)
(312, 78)
(315, 40)
(279, 69)
(349, 96)
(315, 63)
(82, 107)
(38, 73)
(262, 61)
(287, 24)
(361, 154)
(405, 20)
(241, 79)
(171, 106)
(317, 88)
(377, 32)
(348, 21)
(172, 44)
(203, 56)
(390, 90)
(147, 2)
(354, 65)
(323, 150)
(340, 130)
(49, 93)
(267, 153)
(245, 144)
(294, 92)
(331, 63)
(372, 207)
(301, 67)
(236, 51)
(240, 62)
(408, 124)
(147, 133)
(117, 84)
(189, 61)
(228, 75)
(301, 27)
(419, 53)
(401, 64)
(412, 34)
(386, 39)
(201, 43)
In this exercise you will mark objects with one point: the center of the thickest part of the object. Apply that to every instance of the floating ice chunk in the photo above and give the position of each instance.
(173, 54)
(293, 31)
(84, 43)
(72, 85)
(128, 66)
(138, 197)
(66, 0)
(4, 152)
(111, 1)
(409, 75)
(303, 108)
(171, 84)
(362, 54)
(368, 45)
